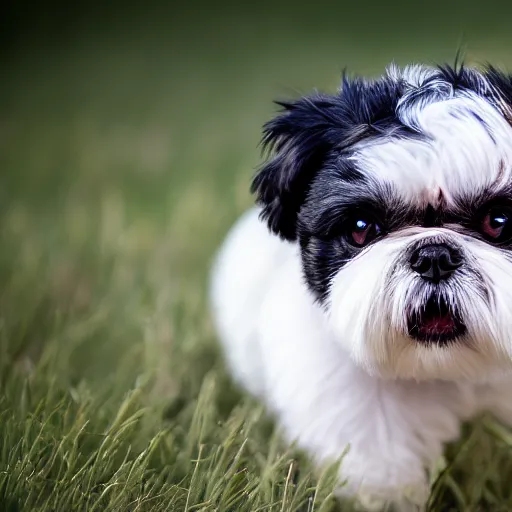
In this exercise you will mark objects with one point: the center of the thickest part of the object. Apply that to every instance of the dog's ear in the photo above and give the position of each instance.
(303, 136)
(300, 138)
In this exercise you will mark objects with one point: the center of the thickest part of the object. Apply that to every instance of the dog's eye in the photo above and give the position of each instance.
(495, 224)
(362, 231)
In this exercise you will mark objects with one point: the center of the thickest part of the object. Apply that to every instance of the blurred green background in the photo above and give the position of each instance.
(160, 105)
(128, 137)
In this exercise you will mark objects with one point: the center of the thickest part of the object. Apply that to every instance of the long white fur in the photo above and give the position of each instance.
(348, 375)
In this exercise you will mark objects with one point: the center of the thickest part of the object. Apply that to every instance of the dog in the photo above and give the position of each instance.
(367, 298)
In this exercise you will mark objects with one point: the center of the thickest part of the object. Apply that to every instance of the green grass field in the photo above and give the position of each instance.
(125, 155)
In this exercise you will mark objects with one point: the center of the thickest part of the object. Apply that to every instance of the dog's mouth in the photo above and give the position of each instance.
(436, 322)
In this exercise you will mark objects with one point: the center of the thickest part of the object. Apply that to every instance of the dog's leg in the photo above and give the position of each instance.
(394, 430)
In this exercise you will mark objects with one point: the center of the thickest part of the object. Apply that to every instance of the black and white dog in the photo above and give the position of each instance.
(368, 299)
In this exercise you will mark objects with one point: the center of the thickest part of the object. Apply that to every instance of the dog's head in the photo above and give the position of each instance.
(399, 192)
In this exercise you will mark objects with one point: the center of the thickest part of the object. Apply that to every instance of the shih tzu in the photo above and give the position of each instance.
(368, 299)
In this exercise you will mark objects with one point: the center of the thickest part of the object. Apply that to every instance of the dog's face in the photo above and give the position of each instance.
(399, 192)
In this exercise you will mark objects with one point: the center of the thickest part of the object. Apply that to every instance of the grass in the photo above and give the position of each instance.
(125, 155)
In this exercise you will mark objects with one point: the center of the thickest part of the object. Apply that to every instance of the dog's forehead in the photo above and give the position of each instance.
(464, 145)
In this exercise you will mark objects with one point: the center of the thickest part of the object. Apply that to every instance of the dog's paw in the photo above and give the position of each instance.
(403, 500)
(408, 496)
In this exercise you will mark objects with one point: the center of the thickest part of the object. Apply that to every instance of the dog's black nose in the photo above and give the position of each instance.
(435, 262)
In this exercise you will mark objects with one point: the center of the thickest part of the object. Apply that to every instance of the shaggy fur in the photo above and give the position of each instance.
(368, 299)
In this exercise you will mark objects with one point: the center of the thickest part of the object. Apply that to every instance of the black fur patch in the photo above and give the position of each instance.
(338, 196)
(312, 130)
